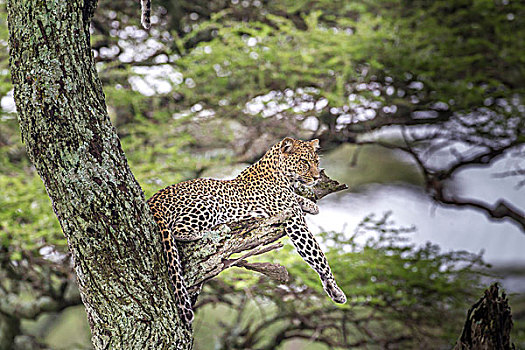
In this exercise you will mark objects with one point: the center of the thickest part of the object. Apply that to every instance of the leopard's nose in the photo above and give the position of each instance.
(317, 177)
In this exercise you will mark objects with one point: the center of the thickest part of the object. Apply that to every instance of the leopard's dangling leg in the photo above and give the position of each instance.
(175, 271)
(311, 252)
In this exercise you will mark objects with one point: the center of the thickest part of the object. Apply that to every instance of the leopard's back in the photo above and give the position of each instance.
(263, 189)
(194, 206)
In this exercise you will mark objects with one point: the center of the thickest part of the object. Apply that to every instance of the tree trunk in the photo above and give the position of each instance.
(488, 324)
(101, 207)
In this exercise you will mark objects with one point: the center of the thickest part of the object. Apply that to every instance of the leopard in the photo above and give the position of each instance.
(187, 210)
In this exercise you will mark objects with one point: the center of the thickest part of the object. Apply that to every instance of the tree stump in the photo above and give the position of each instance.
(488, 324)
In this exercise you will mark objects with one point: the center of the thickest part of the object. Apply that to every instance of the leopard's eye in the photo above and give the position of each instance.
(305, 163)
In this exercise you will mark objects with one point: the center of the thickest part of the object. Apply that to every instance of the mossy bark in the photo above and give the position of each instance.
(100, 205)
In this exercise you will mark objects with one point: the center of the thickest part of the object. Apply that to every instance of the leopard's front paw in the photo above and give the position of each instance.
(332, 289)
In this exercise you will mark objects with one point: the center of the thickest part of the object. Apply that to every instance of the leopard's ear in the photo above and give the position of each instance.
(315, 144)
(288, 145)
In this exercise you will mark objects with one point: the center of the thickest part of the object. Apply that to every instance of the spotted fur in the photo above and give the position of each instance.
(185, 211)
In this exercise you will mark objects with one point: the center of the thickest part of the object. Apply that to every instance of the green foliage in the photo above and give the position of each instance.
(391, 285)
(26, 214)
(5, 78)
(462, 52)
(27, 221)
(339, 57)
(250, 59)
(441, 56)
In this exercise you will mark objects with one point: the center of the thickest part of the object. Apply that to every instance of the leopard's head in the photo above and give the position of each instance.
(299, 161)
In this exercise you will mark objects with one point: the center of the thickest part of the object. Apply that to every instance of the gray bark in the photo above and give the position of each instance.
(101, 208)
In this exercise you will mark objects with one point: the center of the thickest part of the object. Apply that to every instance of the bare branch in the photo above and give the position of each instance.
(256, 251)
(435, 180)
(500, 210)
(324, 187)
(274, 271)
(207, 257)
(483, 159)
(504, 174)
(489, 322)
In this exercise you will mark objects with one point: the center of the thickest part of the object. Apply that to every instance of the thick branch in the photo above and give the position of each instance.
(207, 257)
(274, 271)
(324, 187)
(499, 211)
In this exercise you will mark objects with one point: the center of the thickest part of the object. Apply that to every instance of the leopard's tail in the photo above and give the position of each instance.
(175, 271)
(146, 13)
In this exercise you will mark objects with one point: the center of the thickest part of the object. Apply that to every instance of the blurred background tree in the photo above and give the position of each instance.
(415, 96)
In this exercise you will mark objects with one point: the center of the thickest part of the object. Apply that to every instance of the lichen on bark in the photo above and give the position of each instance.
(99, 204)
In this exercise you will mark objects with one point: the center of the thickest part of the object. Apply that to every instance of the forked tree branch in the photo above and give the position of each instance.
(435, 181)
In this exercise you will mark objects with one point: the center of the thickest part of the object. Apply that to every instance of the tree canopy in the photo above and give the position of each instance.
(217, 82)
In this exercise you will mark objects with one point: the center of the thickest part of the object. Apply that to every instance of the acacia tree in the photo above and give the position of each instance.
(74, 148)
(100, 206)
